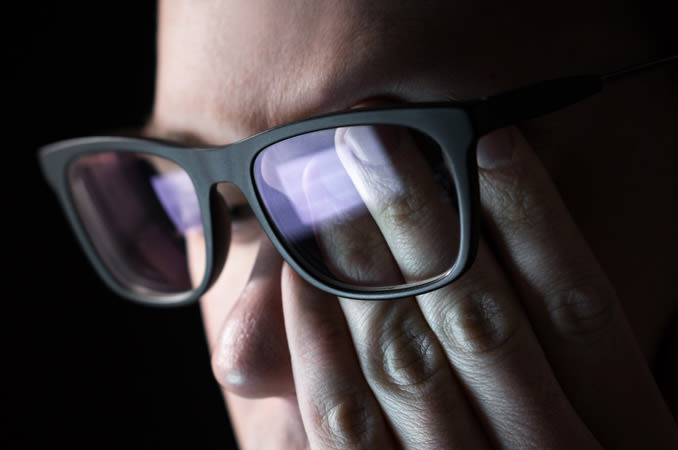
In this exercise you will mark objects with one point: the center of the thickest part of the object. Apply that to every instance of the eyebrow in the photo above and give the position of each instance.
(182, 137)
(495, 111)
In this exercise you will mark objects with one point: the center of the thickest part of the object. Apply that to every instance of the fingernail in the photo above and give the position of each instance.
(371, 144)
(495, 150)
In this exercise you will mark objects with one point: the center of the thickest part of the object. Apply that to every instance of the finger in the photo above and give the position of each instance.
(496, 356)
(399, 355)
(337, 407)
(569, 301)
(479, 324)
(399, 187)
(351, 243)
(411, 377)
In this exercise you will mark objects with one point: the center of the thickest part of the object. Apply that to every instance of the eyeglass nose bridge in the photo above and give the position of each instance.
(219, 242)
(230, 163)
(209, 168)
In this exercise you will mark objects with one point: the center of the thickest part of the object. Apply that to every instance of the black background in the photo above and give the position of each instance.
(81, 367)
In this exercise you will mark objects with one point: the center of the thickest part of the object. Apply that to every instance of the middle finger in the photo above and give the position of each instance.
(478, 320)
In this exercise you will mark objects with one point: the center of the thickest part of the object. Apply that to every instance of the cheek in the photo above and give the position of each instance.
(222, 296)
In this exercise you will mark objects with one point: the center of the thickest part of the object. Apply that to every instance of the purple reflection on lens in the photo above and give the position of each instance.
(305, 169)
(177, 196)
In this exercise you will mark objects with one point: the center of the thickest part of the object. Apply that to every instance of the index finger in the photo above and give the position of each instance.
(403, 180)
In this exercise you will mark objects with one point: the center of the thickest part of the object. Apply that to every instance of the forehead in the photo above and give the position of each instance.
(250, 65)
(230, 68)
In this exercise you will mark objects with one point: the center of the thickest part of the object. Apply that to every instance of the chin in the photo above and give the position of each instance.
(267, 424)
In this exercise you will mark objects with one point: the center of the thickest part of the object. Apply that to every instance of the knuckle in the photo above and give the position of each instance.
(480, 323)
(410, 359)
(516, 200)
(358, 260)
(408, 209)
(580, 310)
(347, 421)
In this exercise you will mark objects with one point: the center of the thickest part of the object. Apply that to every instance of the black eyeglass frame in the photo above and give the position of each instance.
(456, 126)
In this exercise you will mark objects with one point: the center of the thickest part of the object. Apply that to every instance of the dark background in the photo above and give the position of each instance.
(83, 368)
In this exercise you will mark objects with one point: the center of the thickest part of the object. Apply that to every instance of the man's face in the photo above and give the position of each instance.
(229, 69)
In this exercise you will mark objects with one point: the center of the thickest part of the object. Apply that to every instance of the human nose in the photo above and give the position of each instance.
(250, 357)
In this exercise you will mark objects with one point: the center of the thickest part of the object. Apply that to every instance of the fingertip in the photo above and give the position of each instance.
(496, 149)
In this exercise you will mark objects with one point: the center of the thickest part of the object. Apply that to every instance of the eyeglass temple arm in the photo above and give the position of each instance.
(542, 98)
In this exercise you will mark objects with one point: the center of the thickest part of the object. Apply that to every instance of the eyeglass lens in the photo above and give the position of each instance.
(357, 205)
(354, 206)
(142, 215)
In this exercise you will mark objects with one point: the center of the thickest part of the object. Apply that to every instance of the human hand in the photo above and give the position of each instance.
(529, 349)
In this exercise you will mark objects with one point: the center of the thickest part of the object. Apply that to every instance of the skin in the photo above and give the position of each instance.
(550, 339)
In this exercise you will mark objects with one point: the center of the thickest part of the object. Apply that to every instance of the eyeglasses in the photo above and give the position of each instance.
(343, 197)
